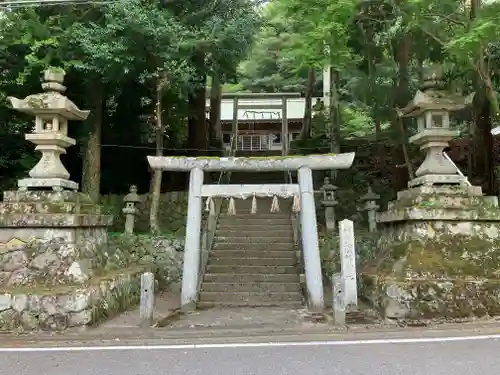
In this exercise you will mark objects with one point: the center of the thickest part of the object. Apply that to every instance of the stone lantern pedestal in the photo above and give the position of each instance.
(53, 255)
(440, 239)
(43, 209)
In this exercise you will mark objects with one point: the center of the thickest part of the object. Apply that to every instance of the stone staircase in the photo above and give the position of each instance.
(253, 260)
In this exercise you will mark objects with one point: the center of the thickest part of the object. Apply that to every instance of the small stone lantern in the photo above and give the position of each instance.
(329, 203)
(130, 210)
(52, 110)
(431, 106)
(371, 207)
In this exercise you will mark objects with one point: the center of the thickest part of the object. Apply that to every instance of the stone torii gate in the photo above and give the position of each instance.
(197, 190)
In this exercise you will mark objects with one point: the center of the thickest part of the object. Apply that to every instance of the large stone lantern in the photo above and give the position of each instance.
(431, 106)
(52, 110)
(438, 238)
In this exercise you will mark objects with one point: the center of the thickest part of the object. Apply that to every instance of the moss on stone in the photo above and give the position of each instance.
(448, 256)
(56, 69)
(119, 299)
(172, 212)
(450, 297)
(329, 246)
(250, 158)
(53, 290)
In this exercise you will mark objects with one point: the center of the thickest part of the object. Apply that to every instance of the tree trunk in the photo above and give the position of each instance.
(306, 128)
(485, 107)
(197, 121)
(215, 131)
(154, 223)
(404, 136)
(91, 179)
(335, 116)
(482, 155)
(401, 98)
(370, 94)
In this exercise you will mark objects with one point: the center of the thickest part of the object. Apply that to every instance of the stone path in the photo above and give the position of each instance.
(224, 318)
(242, 317)
(165, 303)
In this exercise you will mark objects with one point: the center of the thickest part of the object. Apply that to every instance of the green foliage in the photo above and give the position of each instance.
(329, 244)
(320, 25)
(271, 68)
(160, 253)
(121, 50)
(357, 122)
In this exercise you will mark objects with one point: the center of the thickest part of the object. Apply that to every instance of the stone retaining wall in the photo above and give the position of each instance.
(172, 212)
(54, 303)
(59, 308)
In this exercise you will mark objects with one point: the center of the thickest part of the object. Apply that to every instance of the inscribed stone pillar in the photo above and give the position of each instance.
(348, 263)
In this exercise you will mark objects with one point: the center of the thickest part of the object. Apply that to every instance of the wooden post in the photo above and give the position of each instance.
(234, 129)
(284, 133)
(147, 299)
(284, 127)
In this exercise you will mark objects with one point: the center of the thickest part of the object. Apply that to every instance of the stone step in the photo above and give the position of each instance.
(261, 206)
(290, 261)
(267, 217)
(257, 240)
(285, 304)
(252, 298)
(240, 225)
(265, 254)
(251, 287)
(249, 233)
(254, 228)
(212, 268)
(275, 246)
(254, 220)
(251, 278)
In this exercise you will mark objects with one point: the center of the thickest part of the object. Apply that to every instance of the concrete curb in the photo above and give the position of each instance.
(320, 332)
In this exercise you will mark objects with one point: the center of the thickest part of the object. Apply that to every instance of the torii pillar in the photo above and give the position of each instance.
(303, 164)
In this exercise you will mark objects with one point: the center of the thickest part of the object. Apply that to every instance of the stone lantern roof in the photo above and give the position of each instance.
(132, 197)
(327, 185)
(370, 195)
(433, 95)
(50, 102)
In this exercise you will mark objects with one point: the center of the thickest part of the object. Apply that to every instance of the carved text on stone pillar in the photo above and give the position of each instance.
(348, 262)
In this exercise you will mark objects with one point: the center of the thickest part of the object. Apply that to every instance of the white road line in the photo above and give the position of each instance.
(421, 340)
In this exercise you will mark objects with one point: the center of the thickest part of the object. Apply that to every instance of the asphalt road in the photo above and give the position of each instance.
(477, 357)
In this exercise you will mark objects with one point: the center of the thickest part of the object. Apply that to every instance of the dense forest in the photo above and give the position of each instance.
(145, 68)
